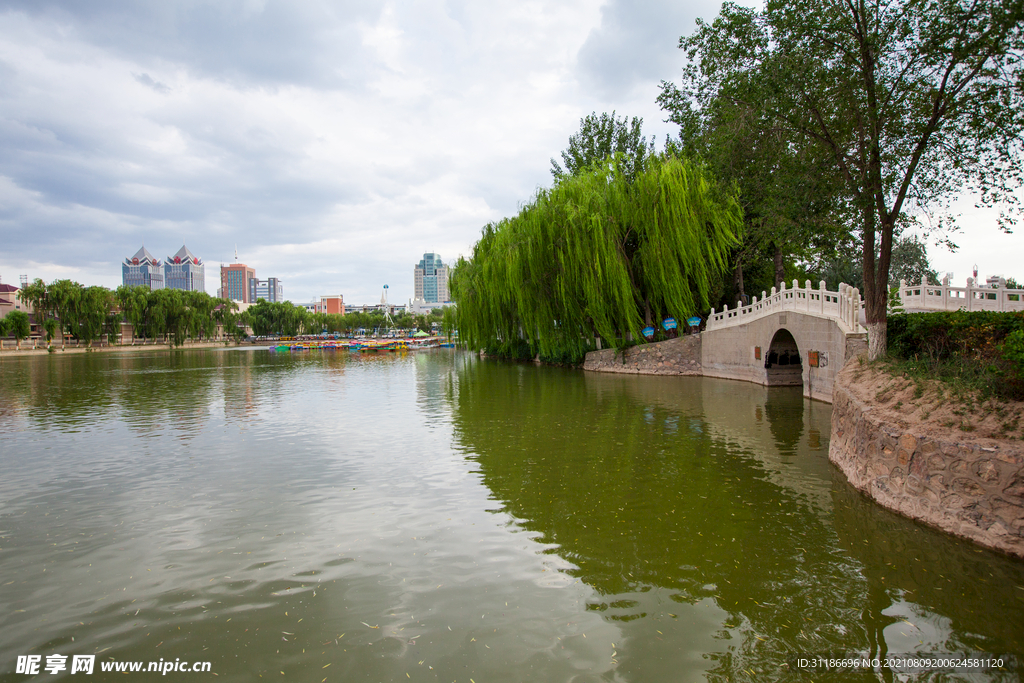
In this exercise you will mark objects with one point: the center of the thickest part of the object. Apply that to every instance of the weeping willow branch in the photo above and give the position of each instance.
(591, 254)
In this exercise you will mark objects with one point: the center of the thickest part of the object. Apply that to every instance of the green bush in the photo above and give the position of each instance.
(1013, 352)
(949, 334)
(517, 349)
(979, 350)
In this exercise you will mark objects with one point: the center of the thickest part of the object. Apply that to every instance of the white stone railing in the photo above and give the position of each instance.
(843, 306)
(943, 297)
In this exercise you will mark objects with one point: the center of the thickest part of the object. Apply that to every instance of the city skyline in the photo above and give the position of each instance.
(171, 124)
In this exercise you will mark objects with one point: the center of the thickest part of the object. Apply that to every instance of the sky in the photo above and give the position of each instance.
(331, 143)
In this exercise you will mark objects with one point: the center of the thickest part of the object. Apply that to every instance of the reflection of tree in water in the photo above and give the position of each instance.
(171, 390)
(638, 497)
(60, 391)
(785, 412)
(150, 390)
(634, 505)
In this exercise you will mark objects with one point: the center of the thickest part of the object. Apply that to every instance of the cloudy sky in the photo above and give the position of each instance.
(332, 141)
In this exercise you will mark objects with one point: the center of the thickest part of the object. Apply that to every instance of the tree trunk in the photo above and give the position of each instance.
(876, 284)
(737, 277)
(647, 313)
(877, 339)
(780, 271)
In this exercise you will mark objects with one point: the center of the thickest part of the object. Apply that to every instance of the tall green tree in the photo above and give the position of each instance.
(280, 317)
(201, 321)
(914, 100)
(602, 137)
(790, 194)
(65, 297)
(18, 325)
(95, 314)
(134, 303)
(910, 262)
(35, 294)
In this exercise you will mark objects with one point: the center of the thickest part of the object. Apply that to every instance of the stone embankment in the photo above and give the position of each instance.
(970, 486)
(679, 356)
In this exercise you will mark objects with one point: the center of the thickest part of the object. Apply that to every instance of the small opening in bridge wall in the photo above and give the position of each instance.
(783, 361)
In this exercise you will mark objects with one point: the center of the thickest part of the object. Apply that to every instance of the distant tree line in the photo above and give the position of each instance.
(286, 319)
(92, 313)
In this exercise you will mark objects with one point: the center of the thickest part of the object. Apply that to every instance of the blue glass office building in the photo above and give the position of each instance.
(142, 270)
(430, 279)
(184, 271)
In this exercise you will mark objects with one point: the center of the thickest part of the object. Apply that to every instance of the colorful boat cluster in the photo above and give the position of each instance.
(362, 345)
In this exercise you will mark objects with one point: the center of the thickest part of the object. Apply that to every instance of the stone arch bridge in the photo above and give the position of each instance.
(797, 336)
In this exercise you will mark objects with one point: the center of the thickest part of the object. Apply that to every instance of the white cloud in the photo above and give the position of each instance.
(333, 142)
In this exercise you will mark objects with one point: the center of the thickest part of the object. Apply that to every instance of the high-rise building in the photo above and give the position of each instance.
(270, 289)
(234, 282)
(185, 271)
(142, 270)
(430, 279)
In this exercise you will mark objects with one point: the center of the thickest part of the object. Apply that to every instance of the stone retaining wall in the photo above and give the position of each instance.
(969, 489)
(679, 356)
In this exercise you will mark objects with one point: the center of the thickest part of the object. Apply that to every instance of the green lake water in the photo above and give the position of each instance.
(431, 516)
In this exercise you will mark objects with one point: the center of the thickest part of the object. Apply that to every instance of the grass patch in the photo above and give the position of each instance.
(966, 380)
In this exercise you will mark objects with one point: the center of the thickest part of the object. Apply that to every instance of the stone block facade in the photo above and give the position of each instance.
(970, 488)
(737, 352)
(679, 356)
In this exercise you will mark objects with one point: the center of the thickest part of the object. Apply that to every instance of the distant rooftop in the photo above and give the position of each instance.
(142, 255)
(183, 255)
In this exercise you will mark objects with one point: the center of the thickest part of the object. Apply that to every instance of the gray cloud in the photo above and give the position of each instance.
(258, 41)
(147, 80)
(637, 43)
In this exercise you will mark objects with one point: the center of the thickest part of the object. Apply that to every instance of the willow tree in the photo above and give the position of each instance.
(598, 254)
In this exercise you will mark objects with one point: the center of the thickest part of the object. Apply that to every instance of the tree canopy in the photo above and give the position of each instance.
(789, 192)
(912, 102)
(597, 254)
(603, 137)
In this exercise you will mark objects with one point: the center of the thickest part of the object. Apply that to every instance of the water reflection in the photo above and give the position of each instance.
(784, 409)
(677, 504)
(436, 517)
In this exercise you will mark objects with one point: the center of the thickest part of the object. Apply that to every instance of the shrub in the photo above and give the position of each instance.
(983, 350)
(948, 334)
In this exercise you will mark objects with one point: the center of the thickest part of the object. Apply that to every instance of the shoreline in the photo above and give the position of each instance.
(965, 483)
(43, 351)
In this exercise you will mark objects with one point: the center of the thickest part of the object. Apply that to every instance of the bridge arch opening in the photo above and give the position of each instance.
(782, 364)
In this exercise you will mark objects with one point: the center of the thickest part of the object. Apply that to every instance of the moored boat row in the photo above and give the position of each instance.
(361, 345)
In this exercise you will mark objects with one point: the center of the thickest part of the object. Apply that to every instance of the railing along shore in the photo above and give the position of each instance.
(945, 297)
(842, 306)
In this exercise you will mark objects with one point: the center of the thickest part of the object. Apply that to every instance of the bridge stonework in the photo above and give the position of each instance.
(743, 351)
(795, 336)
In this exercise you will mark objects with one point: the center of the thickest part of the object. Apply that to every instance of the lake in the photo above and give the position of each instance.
(433, 516)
